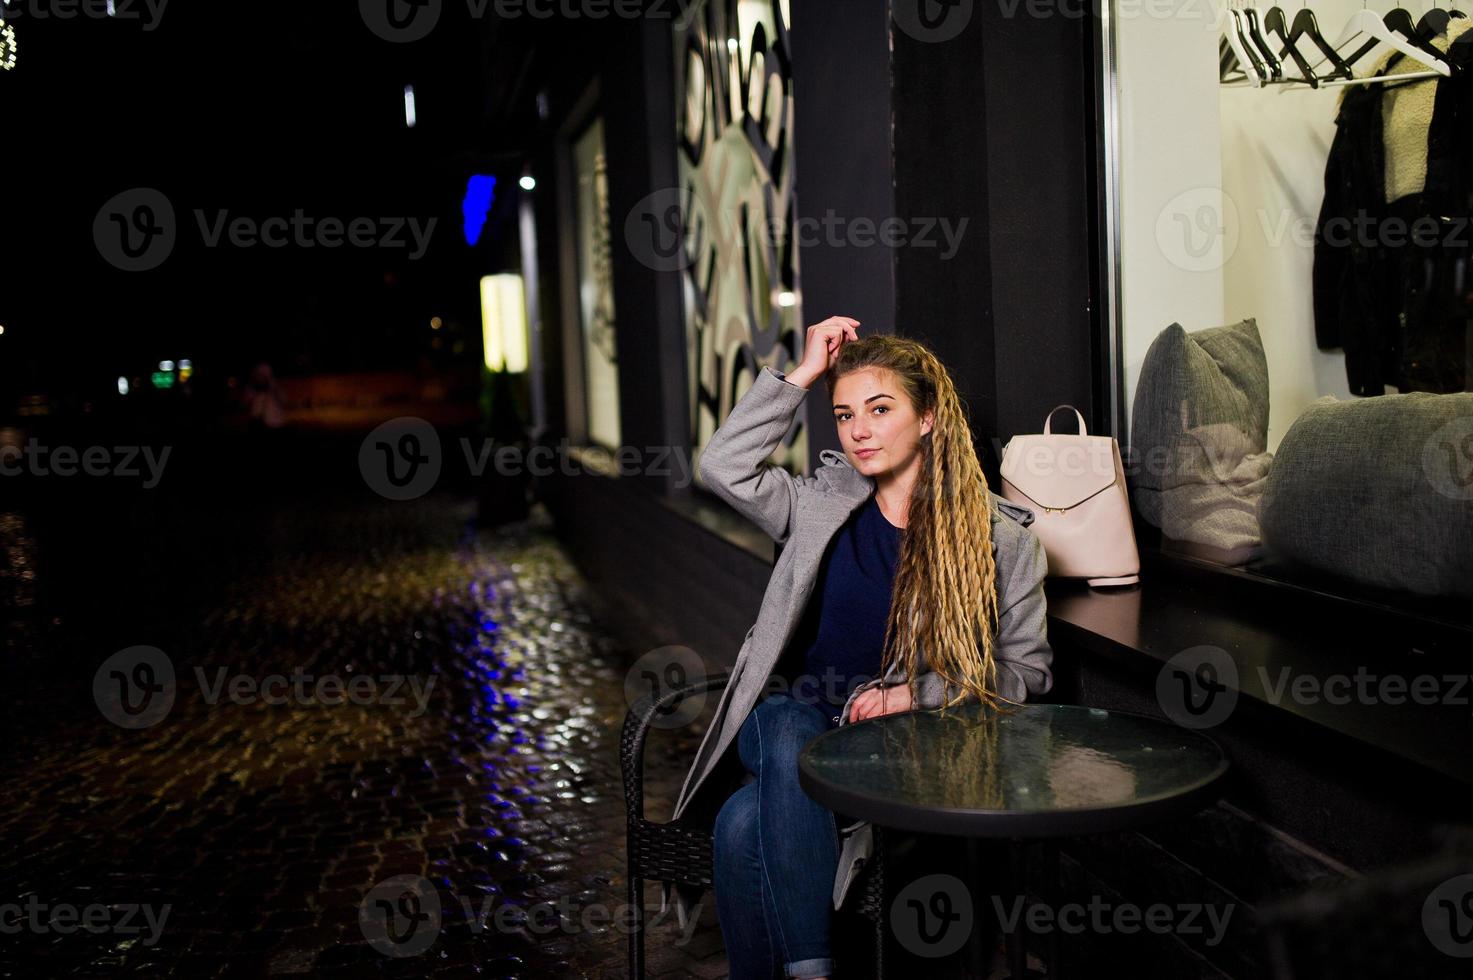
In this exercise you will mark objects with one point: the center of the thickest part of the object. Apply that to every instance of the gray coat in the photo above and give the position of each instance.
(803, 513)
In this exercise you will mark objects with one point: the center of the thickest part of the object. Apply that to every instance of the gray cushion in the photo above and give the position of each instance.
(1202, 380)
(1379, 490)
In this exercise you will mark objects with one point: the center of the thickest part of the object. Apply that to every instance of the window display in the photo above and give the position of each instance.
(1304, 176)
(737, 206)
(596, 288)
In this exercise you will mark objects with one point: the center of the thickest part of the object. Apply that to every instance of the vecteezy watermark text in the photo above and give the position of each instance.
(665, 670)
(406, 21)
(136, 688)
(1120, 10)
(302, 688)
(137, 230)
(62, 918)
(1199, 687)
(402, 916)
(147, 12)
(660, 224)
(310, 232)
(35, 459)
(1200, 229)
(1102, 917)
(402, 459)
(933, 916)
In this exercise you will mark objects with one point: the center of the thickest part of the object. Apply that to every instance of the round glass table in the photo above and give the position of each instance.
(1039, 770)
(1036, 771)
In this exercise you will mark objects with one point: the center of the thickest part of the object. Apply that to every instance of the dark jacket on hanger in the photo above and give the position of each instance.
(1392, 283)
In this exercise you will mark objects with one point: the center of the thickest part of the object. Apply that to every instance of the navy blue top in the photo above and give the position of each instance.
(843, 631)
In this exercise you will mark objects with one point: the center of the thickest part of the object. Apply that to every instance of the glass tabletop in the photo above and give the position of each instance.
(1030, 771)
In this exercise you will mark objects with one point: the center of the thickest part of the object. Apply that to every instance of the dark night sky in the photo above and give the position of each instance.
(220, 109)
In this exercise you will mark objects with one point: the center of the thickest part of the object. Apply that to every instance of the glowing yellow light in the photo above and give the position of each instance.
(504, 322)
(436, 323)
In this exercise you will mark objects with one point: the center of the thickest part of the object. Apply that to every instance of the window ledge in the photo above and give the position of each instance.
(722, 522)
(695, 505)
(1275, 636)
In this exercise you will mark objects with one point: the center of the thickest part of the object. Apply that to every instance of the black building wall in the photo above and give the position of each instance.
(886, 125)
(843, 93)
(994, 126)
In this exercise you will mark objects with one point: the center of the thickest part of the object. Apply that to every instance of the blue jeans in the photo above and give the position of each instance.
(776, 852)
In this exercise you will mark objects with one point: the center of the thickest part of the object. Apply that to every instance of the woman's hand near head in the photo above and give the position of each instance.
(821, 347)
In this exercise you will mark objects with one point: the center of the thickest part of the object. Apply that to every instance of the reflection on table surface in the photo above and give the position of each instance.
(1034, 757)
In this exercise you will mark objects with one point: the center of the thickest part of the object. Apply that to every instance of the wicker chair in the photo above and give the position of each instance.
(682, 854)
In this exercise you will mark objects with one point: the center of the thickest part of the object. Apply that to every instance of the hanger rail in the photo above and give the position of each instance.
(1238, 22)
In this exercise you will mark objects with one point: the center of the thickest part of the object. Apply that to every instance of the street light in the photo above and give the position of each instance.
(504, 322)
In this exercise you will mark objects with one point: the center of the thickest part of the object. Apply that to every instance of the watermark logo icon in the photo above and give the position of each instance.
(932, 916)
(1447, 916)
(400, 916)
(661, 671)
(401, 21)
(1198, 688)
(655, 231)
(401, 459)
(134, 688)
(136, 230)
(1447, 459)
(1197, 230)
(932, 21)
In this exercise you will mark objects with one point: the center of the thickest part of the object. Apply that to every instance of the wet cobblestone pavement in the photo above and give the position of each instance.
(242, 838)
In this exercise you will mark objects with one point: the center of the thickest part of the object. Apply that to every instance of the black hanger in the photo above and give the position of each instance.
(1250, 16)
(1259, 68)
(1274, 24)
(1398, 20)
(1393, 23)
(1433, 23)
(1305, 25)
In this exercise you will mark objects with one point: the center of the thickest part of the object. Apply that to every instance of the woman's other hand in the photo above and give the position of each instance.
(879, 701)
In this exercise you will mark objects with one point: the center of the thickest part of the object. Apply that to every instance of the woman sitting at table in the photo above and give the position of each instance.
(903, 584)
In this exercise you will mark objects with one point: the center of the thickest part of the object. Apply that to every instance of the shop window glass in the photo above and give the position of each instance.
(596, 288)
(1293, 360)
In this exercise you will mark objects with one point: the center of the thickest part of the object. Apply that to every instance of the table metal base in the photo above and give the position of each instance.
(1012, 889)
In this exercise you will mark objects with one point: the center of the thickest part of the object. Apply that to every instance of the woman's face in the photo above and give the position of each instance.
(878, 427)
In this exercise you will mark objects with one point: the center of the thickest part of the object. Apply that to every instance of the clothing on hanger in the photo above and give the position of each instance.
(1406, 117)
(1400, 308)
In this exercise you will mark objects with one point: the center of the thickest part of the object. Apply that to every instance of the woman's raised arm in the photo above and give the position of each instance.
(734, 463)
